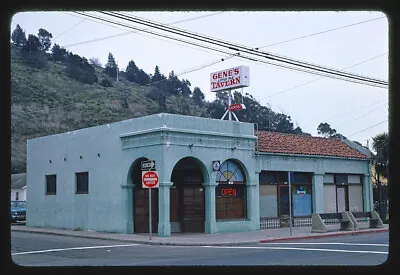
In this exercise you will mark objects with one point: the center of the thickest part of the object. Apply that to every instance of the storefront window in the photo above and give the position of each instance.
(231, 192)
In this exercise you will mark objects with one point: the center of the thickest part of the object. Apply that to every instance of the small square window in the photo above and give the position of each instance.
(51, 184)
(82, 183)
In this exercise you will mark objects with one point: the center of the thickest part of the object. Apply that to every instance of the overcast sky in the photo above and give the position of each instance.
(333, 39)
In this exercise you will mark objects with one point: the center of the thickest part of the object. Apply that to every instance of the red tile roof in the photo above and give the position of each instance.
(274, 142)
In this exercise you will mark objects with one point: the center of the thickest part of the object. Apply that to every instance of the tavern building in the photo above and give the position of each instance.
(213, 176)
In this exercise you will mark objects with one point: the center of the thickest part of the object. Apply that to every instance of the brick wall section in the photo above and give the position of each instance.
(274, 142)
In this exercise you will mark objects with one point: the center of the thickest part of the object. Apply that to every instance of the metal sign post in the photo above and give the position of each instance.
(290, 204)
(149, 180)
(150, 214)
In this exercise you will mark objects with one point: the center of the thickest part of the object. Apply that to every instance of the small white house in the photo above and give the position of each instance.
(18, 187)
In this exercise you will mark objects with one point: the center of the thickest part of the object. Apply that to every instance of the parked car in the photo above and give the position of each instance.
(18, 211)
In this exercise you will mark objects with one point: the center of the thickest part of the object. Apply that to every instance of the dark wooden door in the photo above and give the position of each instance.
(283, 200)
(193, 209)
(141, 211)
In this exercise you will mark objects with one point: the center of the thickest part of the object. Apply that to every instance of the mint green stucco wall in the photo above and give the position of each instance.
(319, 166)
(164, 138)
(109, 152)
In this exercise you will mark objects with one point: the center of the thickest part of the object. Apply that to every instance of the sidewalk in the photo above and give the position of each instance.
(200, 239)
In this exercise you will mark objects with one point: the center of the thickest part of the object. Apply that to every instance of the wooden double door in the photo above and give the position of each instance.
(141, 210)
(187, 207)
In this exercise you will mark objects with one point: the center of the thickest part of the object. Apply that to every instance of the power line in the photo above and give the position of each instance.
(69, 29)
(313, 34)
(238, 47)
(352, 111)
(131, 32)
(367, 128)
(360, 81)
(363, 115)
(260, 47)
(300, 85)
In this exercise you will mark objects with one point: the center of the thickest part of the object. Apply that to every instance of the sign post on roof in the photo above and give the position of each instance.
(228, 79)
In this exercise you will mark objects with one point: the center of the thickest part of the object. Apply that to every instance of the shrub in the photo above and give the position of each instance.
(106, 83)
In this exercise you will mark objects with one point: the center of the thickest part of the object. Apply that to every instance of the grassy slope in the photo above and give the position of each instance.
(46, 101)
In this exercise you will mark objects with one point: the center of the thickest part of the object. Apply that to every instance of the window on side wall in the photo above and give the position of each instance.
(82, 183)
(51, 184)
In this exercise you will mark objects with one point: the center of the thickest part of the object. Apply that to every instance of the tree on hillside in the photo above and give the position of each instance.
(185, 88)
(174, 84)
(132, 72)
(59, 53)
(44, 39)
(95, 62)
(143, 78)
(80, 69)
(325, 130)
(198, 96)
(111, 66)
(31, 53)
(32, 44)
(18, 36)
(157, 76)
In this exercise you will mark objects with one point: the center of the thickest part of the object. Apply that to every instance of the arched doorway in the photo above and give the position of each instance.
(141, 202)
(187, 211)
(230, 193)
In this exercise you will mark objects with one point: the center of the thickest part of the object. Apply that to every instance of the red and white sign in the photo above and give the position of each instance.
(149, 179)
(236, 107)
(236, 77)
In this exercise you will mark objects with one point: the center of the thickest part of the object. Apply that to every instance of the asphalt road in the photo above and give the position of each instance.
(33, 249)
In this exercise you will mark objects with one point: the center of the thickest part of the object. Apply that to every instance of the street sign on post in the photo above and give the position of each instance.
(148, 165)
(149, 181)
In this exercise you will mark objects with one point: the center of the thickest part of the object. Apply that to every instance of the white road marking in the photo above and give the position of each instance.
(360, 244)
(73, 248)
(296, 248)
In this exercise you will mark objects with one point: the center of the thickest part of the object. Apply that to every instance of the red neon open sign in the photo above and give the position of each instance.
(228, 192)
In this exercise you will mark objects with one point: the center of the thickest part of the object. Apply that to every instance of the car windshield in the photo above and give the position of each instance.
(18, 204)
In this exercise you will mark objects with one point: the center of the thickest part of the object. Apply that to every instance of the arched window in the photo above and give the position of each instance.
(230, 192)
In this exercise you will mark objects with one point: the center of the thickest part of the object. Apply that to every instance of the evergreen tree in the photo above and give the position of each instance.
(198, 96)
(32, 44)
(59, 53)
(18, 36)
(44, 39)
(143, 78)
(185, 88)
(80, 69)
(325, 130)
(157, 75)
(132, 72)
(95, 62)
(111, 66)
(173, 83)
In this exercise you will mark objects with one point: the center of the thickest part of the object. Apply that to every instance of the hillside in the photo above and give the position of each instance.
(46, 100)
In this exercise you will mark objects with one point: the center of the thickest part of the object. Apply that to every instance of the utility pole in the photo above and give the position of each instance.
(117, 70)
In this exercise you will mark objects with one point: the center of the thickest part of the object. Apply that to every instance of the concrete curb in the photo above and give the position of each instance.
(357, 232)
(178, 243)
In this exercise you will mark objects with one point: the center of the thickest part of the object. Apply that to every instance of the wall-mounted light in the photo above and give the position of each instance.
(65, 159)
(50, 160)
(98, 154)
(190, 145)
(80, 157)
(233, 148)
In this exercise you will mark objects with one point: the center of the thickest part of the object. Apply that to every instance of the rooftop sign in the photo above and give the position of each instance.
(236, 77)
